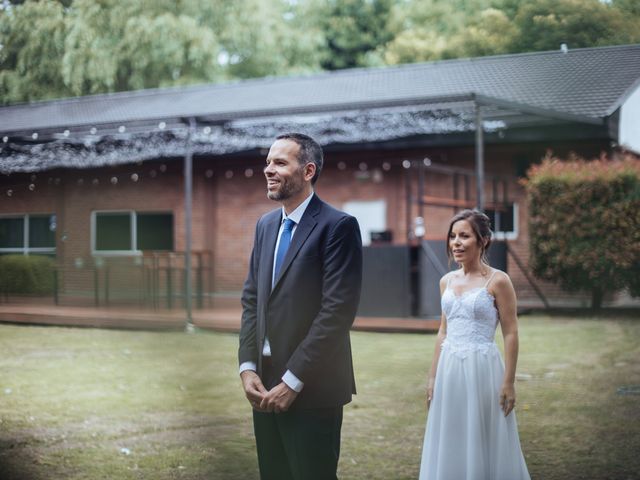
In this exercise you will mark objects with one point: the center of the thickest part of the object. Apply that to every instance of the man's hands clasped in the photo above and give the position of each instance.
(277, 400)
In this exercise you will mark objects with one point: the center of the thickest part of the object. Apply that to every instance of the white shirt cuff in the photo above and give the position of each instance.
(292, 381)
(248, 366)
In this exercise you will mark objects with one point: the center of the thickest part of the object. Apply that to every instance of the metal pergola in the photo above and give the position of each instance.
(87, 142)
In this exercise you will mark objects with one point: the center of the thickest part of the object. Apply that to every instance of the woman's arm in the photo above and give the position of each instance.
(442, 334)
(506, 302)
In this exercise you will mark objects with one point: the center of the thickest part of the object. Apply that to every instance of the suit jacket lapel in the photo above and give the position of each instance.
(270, 236)
(304, 228)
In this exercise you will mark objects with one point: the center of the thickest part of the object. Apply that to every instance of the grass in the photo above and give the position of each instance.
(97, 404)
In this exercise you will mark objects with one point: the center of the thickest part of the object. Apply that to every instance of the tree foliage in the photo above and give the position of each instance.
(585, 224)
(52, 49)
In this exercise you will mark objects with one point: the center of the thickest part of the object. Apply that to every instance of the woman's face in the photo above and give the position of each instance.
(463, 243)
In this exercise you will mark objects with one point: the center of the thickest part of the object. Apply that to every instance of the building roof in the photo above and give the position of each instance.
(587, 83)
(526, 91)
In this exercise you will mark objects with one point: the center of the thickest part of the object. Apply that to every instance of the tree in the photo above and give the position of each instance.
(262, 38)
(32, 37)
(353, 30)
(584, 224)
(545, 24)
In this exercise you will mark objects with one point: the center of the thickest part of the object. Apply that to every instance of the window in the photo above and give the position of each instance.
(504, 222)
(28, 234)
(131, 232)
(371, 215)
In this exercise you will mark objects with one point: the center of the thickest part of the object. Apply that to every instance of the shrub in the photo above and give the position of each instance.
(26, 274)
(584, 224)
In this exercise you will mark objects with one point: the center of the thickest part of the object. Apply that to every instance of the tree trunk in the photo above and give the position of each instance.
(597, 295)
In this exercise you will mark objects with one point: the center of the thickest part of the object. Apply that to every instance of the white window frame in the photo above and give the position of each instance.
(354, 207)
(133, 218)
(26, 250)
(133, 239)
(513, 235)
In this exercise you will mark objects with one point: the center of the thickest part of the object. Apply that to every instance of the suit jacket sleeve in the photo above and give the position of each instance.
(248, 351)
(342, 280)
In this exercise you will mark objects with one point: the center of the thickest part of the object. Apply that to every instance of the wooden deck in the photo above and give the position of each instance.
(224, 319)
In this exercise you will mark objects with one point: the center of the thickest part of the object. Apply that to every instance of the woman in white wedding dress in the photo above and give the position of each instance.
(471, 429)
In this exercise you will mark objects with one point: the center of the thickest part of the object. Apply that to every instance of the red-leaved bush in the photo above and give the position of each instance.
(585, 224)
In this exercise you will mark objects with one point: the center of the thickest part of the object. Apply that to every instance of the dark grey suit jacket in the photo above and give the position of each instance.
(309, 311)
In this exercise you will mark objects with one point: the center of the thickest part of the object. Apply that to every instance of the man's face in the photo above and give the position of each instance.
(285, 176)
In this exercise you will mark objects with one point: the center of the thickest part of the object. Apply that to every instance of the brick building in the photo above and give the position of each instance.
(99, 182)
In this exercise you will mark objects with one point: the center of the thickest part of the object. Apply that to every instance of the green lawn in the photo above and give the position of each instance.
(98, 404)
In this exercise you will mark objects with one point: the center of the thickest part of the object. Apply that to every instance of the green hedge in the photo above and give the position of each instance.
(585, 224)
(20, 274)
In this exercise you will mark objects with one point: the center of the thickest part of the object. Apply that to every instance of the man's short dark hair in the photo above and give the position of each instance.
(310, 151)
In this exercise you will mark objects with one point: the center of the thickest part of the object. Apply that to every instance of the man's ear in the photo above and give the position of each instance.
(309, 171)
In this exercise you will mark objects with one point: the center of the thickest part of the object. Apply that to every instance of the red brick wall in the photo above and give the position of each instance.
(229, 195)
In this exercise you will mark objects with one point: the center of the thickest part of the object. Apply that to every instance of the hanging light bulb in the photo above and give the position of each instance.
(93, 130)
(122, 129)
(34, 135)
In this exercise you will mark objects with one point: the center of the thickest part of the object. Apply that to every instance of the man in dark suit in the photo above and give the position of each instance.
(299, 302)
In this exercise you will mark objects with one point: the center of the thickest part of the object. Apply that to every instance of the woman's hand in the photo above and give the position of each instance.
(507, 398)
(430, 385)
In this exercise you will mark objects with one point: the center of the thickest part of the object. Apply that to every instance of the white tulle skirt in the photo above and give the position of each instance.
(467, 435)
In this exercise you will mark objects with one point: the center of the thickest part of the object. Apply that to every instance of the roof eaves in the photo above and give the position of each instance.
(543, 112)
(623, 98)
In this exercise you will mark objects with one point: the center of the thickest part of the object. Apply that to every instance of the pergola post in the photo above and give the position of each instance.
(479, 159)
(188, 195)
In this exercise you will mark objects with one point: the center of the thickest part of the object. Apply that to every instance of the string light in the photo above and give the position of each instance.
(93, 130)
(206, 130)
(34, 135)
(248, 173)
(153, 174)
(386, 166)
(162, 168)
(162, 125)
(363, 166)
(66, 133)
(32, 187)
(80, 182)
(228, 174)
(114, 180)
(427, 162)
(5, 139)
(122, 129)
(9, 193)
(208, 173)
(95, 182)
(406, 164)
(342, 166)
(135, 177)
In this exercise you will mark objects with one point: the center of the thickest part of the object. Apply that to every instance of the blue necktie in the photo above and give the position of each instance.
(283, 246)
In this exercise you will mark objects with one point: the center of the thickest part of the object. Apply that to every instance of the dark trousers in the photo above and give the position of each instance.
(298, 444)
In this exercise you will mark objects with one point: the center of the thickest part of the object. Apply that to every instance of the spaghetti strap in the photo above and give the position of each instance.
(490, 277)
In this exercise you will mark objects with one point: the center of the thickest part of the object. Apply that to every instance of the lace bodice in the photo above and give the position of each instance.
(472, 319)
